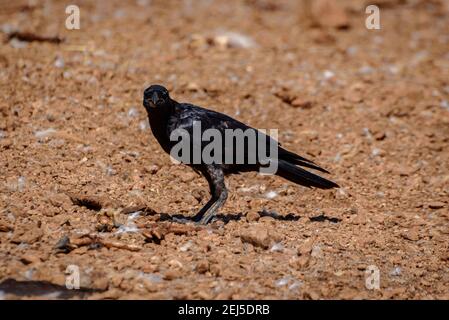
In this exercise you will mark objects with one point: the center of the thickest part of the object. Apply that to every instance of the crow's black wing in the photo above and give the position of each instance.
(186, 115)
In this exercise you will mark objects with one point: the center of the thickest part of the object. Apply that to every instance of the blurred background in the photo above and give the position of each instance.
(370, 105)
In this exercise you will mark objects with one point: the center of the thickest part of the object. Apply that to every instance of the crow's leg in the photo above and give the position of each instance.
(215, 177)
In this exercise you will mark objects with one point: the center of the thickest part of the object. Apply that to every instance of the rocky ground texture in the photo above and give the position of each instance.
(84, 183)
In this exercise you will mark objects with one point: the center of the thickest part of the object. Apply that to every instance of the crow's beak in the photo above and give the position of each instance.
(154, 98)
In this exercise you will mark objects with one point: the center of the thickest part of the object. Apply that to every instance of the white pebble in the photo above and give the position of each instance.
(396, 271)
(21, 183)
(143, 125)
(17, 44)
(59, 63)
(133, 113)
(277, 247)
(185, 247)
(327, 74)
(44, 133)
(282, 282)
(296, 284)
(375, 152)
(271, 194)
(234, 40)
(156, 278)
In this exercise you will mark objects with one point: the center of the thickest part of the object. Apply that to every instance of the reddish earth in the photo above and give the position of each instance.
(372, 106)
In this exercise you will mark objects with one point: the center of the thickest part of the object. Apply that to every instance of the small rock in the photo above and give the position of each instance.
(44, 133)
(301, 103)
(282, 282)
(341, 194)
(172, 274)
(271, 194)
(436, 205)
(144, 125)
(100, 283)
(202, 266)
(359, 219)
(132, 112)
(306, 247)
(233, 40)
(188, 176)
(60, 200)
(302, 261)
(28, 236)
(412, 235)
(193, 86)
(185, 247)
(59, 62)
(30, 258)
(329, 13)
(327, 74)
(215, 270)
(259, 236)
(153, 169)
(21, 183)
(252, 216)
(277, 247)
(396, 271)
(5, 227)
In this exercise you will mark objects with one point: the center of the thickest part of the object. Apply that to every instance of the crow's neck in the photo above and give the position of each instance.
(159, 118)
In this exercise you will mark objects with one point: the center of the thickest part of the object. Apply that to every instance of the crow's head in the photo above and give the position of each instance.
(155, 96)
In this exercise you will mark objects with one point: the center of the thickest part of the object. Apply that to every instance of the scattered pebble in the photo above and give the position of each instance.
(295, 285)
(133, 112)
(375, 152)
(277, 247)
(130, 226)
(436, 205)
(259, 236)
(316, 251)
(21, 183)
(59, 62)
(412, 235)
(144, 125)
(396, 271)
(271, 194)
(44, 133)
(155, 278)
(230, 39)
(17, 44)
(327, 74)
(341, 194)
(202, 266)
(185, 247)
(252, 216)
(283, 281)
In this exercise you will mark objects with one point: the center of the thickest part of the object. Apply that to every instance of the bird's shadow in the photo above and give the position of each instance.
(42, 288)
(225, 218)
(322, 218)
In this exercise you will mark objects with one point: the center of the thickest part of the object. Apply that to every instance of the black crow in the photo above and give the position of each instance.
(167, 116)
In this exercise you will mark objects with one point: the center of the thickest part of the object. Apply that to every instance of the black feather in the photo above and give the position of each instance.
(300, 176)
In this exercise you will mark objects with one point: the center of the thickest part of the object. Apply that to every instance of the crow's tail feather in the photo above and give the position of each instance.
(300, 176)
(297, 159)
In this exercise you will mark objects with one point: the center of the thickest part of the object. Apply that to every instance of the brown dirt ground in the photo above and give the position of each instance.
(369, 105)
